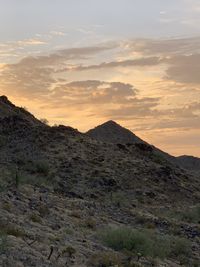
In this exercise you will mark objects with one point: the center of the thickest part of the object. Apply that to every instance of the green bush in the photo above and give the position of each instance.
(9, 229)
(69, 250)
(191, 215)
(35, 218)
(144, 242)
(35, 179)
(181, 247)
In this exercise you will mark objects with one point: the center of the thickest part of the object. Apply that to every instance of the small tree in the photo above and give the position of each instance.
(45, 121)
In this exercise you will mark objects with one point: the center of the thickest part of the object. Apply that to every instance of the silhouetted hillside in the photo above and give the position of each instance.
(112, 132)
(64, 192)
(8, 110)
(189, 162)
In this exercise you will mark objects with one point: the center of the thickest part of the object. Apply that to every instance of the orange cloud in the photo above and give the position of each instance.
(155, 91)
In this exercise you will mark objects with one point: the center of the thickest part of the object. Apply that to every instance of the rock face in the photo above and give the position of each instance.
(59, 187)
(114, 133)
(111, 132)
(189, 162)
(8, 110)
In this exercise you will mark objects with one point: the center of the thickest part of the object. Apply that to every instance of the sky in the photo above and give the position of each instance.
(83, 62)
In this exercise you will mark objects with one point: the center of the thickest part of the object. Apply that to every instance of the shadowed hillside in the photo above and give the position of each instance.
(189, 162)
(114, 133)
(67, 196)
(111, 132)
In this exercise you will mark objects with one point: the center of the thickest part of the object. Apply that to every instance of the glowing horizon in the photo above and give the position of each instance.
(81, 64)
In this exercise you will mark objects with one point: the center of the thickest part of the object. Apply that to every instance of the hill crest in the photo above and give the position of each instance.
(112, 132)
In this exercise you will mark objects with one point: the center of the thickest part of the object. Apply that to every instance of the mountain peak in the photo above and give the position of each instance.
(4, 100)
(112, 132)
(110, 123)
(9, 110)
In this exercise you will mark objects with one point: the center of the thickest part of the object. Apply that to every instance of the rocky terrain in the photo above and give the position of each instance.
(189, 162)
(112, 132)
(104, 198)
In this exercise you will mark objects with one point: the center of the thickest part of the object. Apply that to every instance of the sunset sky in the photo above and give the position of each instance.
(83, 62)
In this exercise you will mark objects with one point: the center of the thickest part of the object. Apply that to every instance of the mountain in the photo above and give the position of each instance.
(67, 198)
(112, 132)
(189, 162)
(8, 110)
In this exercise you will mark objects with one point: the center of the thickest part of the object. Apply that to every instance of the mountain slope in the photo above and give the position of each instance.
(9, 110)
(112, 132)
(59, 187)
(96, 167)
(189, 162)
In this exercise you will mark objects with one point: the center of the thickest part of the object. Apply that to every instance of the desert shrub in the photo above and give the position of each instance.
(69, 251)
(6, 179)
(140, 199)
(35, 218)
(20, 178)
(69, 231)
(3, 185)
(42, 167)
(158, 158)
(14, 177)
(90, 223)
(195, 263)
(140, 219)
(7, 206)
(119, 199)
(36, 180)
(180, 247)
(44, 121)
(17, 179)
(43, 210)
(76, 214)
(105, 259)
(3, 141)
(24, 110)
(10, 229)
(144, 242)
(3, 242)
(191, 215)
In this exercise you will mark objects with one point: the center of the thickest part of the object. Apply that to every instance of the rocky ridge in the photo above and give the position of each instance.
(60, 187)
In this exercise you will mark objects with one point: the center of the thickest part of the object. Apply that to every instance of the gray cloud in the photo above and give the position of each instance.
(93, 92)
(112, 100)
(165, 47)
(141, 62)
(182, 118)
(136, 108)
(38, 78)
(182, 56)
(184, 69)
(60, 57)
(36, 75)
(63, 55)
